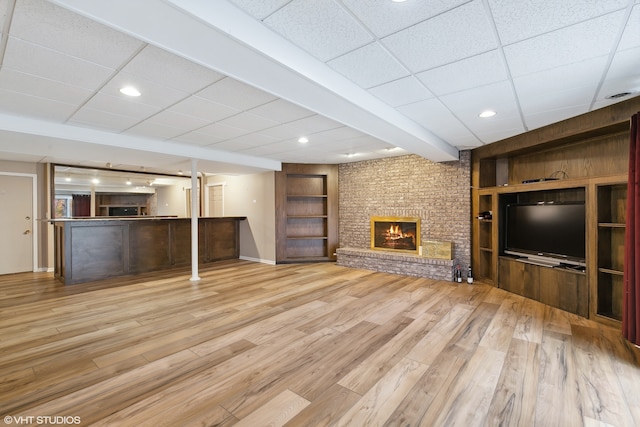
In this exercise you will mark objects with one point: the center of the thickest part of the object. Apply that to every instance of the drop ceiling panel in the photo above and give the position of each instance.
(154, 94)
(171, 71)
(519, 20)
(281, 111)
(29, 84)
(243, 142)
(154, 130)
(249, 122)
(235, 94)
(487, 68)
(538, 120)
(623, 73)
(313, 124)
(30, 59)
(204, 109)
(321, 27)
(120, 106)
(573, 84)
(89, 117)
(260, 9)
(384, 17)
(631, 35)
(281, 132)
(43, 23)
(442, 39)
(177, 120)
(571, 44)
(217, 132)
(19, 104)
(432, 114)
(355, 65)
(402, 91)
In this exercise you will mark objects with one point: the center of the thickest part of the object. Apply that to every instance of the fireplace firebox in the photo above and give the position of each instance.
(395, 233)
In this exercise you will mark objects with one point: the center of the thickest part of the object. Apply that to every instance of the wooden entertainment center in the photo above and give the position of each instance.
(588, 157)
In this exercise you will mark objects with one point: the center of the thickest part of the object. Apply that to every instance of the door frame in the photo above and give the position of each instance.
(206, 196)
(34, 205)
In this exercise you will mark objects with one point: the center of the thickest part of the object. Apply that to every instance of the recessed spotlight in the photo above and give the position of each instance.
(68, 179)
(487, 113)
(398, 1)
(128, 182)
(130, 91)
(95, 181)
(180, 172)
(351, 154)
(303, 140)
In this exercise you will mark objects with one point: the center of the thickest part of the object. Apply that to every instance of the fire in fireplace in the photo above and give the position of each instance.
(395, 233)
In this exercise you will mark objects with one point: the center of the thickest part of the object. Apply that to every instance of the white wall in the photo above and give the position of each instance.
(252, 196)
(172, 200)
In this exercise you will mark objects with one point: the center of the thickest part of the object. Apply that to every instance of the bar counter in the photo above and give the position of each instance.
(90, 249)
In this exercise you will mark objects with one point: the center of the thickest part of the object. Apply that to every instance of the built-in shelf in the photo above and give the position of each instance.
(306, 205)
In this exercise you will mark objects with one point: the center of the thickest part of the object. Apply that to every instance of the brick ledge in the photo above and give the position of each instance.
(403, 263)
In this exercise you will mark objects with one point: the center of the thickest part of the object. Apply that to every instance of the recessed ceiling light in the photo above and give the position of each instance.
(128, 182)
(398, 1)
(130, 91)
(303, 140)
(487, 113)
(95, 181)
(351, 154)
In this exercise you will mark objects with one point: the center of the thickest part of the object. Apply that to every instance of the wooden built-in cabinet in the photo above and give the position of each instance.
(588, 158)
(306, 213)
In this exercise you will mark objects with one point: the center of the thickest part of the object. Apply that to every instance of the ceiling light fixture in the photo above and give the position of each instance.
(398, 1)
(130, 91)
(303, 140)
(487, 113)
(95, 181)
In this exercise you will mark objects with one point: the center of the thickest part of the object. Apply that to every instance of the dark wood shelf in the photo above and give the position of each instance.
(611, 225)
(611, 271)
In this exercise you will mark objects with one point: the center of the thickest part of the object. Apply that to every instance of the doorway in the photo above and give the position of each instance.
(216, 200)
(17, 222)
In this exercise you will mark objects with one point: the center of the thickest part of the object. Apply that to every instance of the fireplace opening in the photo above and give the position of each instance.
(395, 233)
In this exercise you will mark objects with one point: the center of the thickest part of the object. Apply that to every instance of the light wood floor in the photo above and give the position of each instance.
(304, 345)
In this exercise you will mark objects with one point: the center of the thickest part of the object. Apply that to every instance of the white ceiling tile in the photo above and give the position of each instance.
(249, 122)
(623, 75)
(573, 84)
(433, 115)
(336, 135)
(197, 138)
(29, 58)
(167, 69)
(178, 120)
(356, 66)
(44, 23)
(33, 106)
(631, 35)
(281, 111)
(313, 124)
(152, 93)
(88, 117)
(402, 91)
(478, 70)
(154, 130)
(282, 132)
(260, 9)
(519, 20)
(221, 132)
(462, 32)
(384, 17)
(121, 106)
(243, 142)
(321, 27)
(200, 107)
(538, 120)
(571, 44)
(235, 94)
(43, 88)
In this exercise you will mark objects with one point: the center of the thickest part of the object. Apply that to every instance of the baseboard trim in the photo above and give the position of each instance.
(260, 260)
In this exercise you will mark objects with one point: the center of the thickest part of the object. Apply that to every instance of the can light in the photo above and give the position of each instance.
(130, 91)
(303, 140)
(487, 113)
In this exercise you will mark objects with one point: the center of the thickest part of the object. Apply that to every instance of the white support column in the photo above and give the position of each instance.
(194, 221)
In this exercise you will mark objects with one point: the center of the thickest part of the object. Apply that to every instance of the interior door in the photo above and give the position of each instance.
(16, 223)
(216, 200)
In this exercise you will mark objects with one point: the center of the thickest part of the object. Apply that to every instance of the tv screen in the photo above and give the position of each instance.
(555, 230)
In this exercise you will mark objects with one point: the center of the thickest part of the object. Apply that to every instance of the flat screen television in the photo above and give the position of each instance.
(552, 233)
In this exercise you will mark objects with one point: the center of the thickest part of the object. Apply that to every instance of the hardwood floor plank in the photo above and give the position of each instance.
(305, 344)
